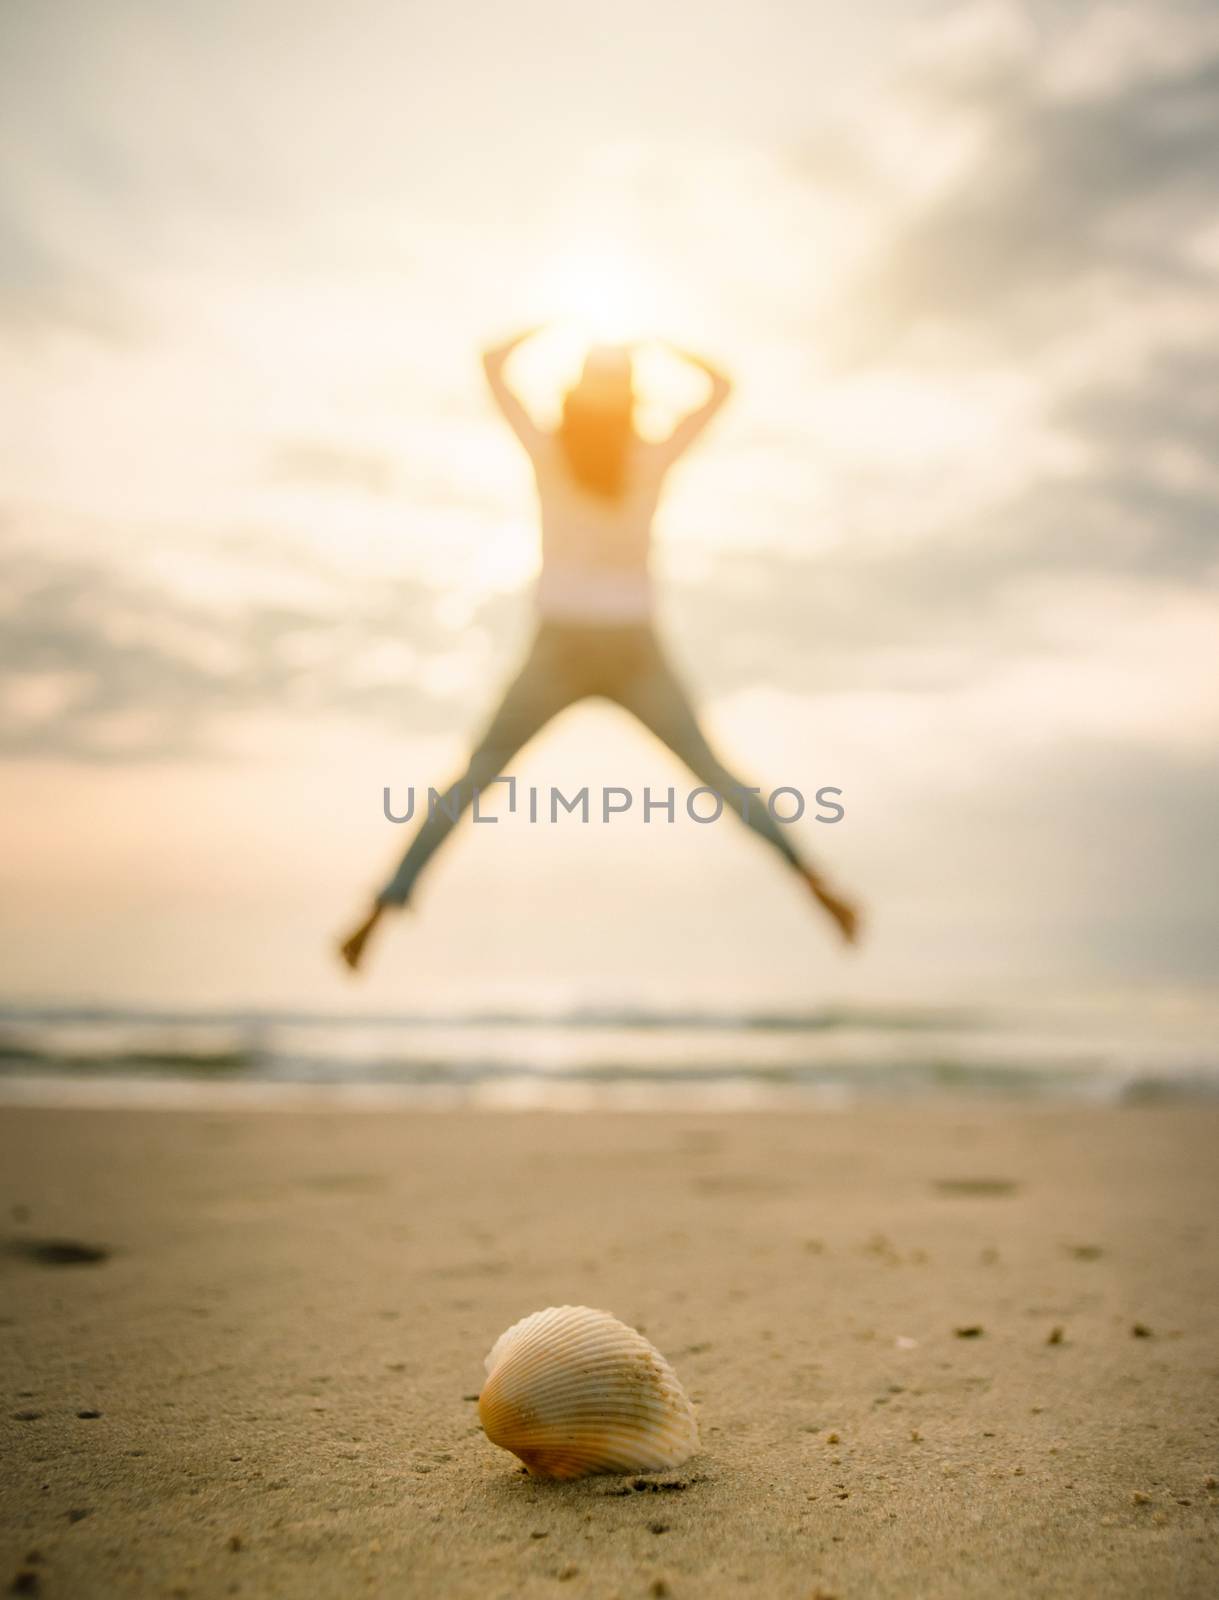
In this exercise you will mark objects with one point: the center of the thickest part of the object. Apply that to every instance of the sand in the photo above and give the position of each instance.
(935, 1351)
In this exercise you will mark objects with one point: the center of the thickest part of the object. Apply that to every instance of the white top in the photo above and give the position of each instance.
(595, 550)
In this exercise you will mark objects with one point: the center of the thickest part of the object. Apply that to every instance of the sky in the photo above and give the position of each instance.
(952, 548)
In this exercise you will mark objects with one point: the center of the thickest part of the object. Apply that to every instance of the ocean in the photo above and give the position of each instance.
(1114, 1051)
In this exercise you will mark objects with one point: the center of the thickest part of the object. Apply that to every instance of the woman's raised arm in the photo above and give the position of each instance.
(691, 425)
(518, 419)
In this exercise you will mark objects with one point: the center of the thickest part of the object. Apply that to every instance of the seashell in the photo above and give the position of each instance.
(573, 1391)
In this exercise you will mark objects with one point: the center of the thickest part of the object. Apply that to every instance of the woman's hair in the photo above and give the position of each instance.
(598, 422)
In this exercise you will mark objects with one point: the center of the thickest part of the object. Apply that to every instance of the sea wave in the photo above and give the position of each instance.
(604, 1055)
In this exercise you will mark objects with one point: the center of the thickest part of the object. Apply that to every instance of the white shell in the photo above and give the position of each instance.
(573, 1391)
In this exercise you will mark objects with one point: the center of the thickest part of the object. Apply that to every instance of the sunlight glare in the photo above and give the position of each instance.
(604, 293)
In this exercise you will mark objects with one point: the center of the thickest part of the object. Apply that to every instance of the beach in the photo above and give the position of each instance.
(935, 1349)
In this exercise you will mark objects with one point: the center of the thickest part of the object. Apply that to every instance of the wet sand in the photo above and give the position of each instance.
(935, 1351)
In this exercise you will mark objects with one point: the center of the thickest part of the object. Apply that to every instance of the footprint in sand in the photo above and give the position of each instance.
(976, 1188)
(58, 1252)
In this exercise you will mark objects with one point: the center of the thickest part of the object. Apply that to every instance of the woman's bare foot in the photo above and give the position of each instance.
(351, 950)
(845, 914)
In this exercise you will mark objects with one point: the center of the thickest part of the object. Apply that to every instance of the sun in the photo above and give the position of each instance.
(606, 295)
(596, 290)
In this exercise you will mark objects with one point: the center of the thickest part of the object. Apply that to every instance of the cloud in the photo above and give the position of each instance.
(99, 666)
(44, 288)
(1068, 196)
(318, 463)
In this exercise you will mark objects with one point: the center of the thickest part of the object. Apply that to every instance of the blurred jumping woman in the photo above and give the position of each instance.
(598, 483)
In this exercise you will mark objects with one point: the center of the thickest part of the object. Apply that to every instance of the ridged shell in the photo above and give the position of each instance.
(573, 1391)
